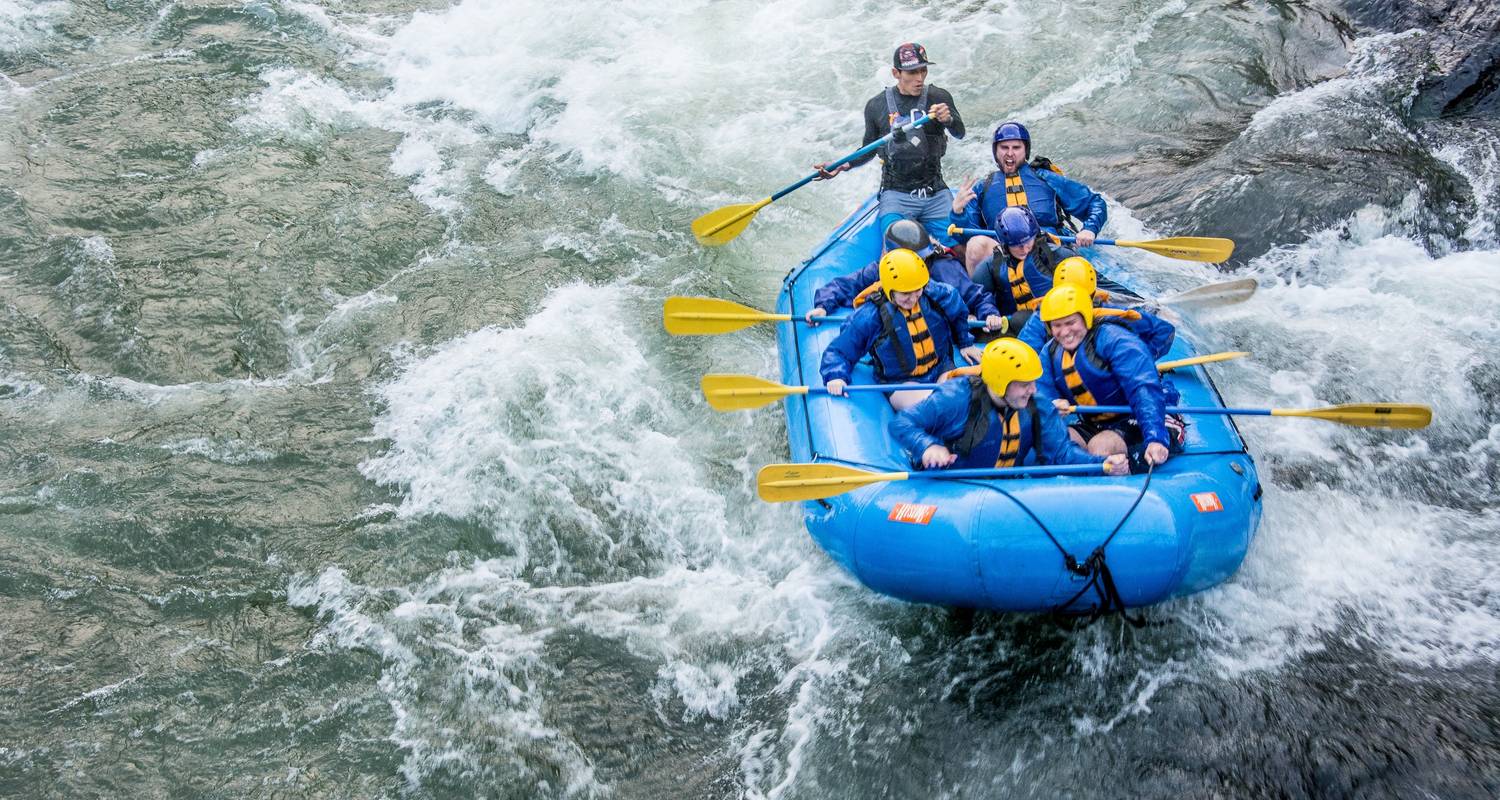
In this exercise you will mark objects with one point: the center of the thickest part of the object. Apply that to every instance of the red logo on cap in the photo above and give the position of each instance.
(911, 55)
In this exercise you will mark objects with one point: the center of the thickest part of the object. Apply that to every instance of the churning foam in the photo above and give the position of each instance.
(560, 440)
(1397, 528)
(27, 25)
(666, 95)
(556, 438)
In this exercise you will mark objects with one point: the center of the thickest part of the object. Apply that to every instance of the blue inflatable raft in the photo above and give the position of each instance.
(989, 544)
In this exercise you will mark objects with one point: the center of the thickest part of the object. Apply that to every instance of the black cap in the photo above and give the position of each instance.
(910, 55)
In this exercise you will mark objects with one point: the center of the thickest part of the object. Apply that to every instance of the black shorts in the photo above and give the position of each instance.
(1123, 425)
(1129, 430)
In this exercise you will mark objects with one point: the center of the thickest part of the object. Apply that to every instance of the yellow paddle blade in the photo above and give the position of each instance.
(722, 225)
(1366, 415)
(780, 483)
(1168, 366)
(707, 316)
(741, 392)
(1187, 248)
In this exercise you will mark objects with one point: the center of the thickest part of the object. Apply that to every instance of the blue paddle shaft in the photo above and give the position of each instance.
(974, 324)
(869, 148)
(877, 387)
(994, 235)
(1241, 412)
(1001, 472)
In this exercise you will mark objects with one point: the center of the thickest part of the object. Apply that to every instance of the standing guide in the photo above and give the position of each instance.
(911, 173)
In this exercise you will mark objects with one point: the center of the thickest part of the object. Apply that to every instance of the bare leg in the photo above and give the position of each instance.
(904, 400)
(1077, 437)
(978, 249)
(1107, 443)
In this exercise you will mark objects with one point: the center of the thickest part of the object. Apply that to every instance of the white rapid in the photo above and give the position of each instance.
(624, 617)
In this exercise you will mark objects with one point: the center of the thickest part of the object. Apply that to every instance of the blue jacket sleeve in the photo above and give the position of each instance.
(850, 346)
(1057, 447)
(1157, 333)
(932, 421)
(958, 318)
(976, 299)
(1077, 199)
(1034, 332)
(1133, 367)
(842, 290)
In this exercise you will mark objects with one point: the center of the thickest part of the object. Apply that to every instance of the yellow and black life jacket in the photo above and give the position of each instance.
(1081, 394)
(921, 339)
(977, 426)
(1020, 290)
(921, 357)
(1015, 193)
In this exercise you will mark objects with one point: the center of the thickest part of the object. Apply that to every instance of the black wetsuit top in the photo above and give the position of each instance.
(911, 168)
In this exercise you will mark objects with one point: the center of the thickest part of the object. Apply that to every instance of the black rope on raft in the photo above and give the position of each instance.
(1095, 568)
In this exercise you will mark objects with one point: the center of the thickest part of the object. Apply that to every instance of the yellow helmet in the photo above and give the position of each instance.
(902, 270)
(1076, 269)
(1067, 299)
(1006, 360)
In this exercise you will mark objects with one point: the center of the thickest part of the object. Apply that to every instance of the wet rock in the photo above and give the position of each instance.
(1465, 53)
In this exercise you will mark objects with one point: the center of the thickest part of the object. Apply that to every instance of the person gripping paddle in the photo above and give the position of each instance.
(911, 174)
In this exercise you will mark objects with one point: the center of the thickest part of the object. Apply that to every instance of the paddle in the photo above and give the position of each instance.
(1168, 366)
(779, 483)
(710, 316)
(741, 392)
(1362, 415)
(728, 392)
(722, 225)
(1184, 248)
(1212, 295)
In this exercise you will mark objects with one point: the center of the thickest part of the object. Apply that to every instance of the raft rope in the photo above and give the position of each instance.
(1095, 568)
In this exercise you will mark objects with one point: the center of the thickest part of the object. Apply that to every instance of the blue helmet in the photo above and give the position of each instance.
(1011, 131)
(908, 234)
(1017, 226)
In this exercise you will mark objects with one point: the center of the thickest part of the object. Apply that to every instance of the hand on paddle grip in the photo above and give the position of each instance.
(824, 174)
(835, 387)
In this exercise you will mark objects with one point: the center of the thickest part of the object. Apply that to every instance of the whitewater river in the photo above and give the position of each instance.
(342, 453)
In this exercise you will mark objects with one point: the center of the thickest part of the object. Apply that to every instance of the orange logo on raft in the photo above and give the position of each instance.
(912, 512)
(1207, 501)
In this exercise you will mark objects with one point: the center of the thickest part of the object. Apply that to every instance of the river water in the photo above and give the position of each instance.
(344, 454)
